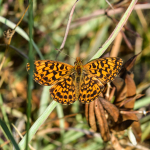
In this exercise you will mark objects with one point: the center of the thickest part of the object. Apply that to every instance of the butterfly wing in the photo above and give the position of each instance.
(48, 72)
(64, 90)
(90, 88)
(104, 69)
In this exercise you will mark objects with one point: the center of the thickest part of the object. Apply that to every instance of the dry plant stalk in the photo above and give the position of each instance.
(105, 117)
(8, 35)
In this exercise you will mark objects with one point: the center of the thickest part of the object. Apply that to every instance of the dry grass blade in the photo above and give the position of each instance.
(22, 136)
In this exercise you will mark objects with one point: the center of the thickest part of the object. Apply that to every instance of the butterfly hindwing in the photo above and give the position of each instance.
(48, 72)
(64, 90)
(90, 88)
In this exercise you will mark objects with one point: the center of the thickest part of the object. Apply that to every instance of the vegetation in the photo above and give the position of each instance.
(26, 107)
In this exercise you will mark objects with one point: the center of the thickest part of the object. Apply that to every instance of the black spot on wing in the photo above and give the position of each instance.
(62, 66)
(52, 66)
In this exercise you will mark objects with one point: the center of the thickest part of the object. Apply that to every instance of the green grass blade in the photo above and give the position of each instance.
(116, 30)
(20, 32)
(30, 76)
(146, 131)
(142, 102)
(38, 123)
(4, 113)
(62, 126)
(145, 119)
(44, 99)
(5, 128)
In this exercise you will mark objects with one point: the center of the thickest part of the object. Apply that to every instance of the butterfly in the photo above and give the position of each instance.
(79, 82)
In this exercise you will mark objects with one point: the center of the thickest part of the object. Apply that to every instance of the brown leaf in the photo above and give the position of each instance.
(87, 112)
(100, 116)
(121, 90)
(129, 119)
(112, 93)
(90, 115)
(128, 65)
(129, 116)
(92, 120)
(127, 100)
(139, 96)
(110, 108)
(137, 130)
(123, 125)
(131, 91)
(131, 87)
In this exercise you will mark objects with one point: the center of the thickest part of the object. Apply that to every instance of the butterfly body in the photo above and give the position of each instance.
(78, 72)
(70, 83)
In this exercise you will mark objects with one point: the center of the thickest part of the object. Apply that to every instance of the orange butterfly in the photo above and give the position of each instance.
(70, 83)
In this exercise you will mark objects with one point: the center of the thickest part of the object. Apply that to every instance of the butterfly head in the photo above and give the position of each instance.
(78, 61)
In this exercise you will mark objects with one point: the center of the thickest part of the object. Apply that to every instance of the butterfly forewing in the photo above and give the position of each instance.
(48, 72)
(104, 69)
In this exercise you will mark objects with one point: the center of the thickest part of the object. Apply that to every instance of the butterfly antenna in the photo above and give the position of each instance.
(64, 53)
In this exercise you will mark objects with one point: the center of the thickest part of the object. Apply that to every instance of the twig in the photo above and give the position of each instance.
(97, 13)
(116, 30)
(67, 29)
(9, 34)
(135, 112)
